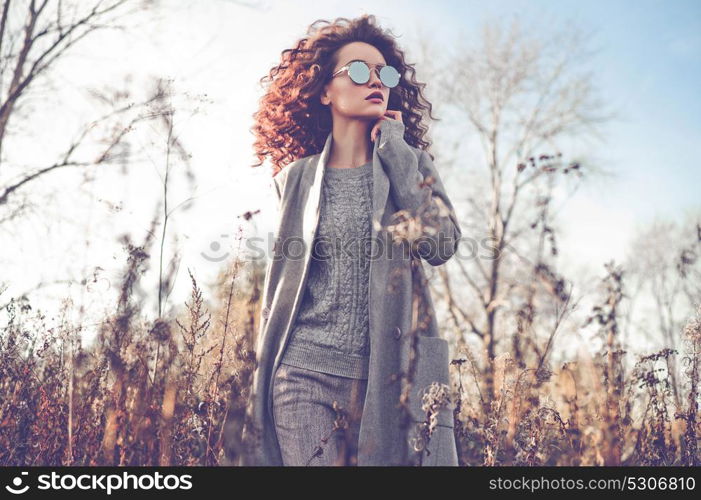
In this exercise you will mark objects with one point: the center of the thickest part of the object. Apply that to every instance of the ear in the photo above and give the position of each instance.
(324, 95)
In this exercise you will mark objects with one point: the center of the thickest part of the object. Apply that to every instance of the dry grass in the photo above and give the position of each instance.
(587, 412)
(116, 402)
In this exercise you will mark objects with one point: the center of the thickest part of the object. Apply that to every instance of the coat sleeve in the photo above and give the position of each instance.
(417, 188)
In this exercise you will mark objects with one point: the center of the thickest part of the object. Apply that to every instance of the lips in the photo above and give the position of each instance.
(375, 95)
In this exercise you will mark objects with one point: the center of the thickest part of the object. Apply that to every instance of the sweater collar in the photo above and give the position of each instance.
(379, 198)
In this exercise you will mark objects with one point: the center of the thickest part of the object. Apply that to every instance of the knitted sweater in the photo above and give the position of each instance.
(331, 331)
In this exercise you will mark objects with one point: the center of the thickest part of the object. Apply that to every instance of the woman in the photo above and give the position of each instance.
(348, 341)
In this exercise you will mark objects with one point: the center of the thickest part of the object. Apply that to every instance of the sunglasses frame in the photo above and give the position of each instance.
(370, 67)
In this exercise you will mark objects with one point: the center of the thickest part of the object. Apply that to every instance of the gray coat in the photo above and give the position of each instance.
(401, 309)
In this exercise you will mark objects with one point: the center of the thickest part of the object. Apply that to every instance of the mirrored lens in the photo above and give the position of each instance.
(389, 76)
(359, 72)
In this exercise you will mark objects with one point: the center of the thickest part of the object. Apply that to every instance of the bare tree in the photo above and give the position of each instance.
(520, 95)
(35, 36)
(665, 259)
(29, 51)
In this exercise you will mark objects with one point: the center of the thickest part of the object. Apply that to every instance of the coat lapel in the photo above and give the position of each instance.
(313, 204)
(380, 190)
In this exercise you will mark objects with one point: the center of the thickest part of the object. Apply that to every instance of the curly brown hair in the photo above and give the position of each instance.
(291, 123)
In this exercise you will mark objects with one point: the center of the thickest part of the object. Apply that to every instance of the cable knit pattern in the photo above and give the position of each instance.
(331, 331)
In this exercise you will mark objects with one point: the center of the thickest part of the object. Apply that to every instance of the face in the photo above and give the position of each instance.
(347, 99)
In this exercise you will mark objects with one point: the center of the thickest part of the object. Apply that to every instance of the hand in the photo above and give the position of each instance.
(390, 114)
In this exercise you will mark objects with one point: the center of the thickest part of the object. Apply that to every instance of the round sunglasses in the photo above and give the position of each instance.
(359, 73)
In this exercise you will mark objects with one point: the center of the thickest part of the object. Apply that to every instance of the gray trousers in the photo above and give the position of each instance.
(317, 416)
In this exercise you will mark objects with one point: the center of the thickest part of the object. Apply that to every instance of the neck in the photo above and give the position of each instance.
(351, 145)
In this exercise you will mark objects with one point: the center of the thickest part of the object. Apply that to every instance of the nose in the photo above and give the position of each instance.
(375, 78)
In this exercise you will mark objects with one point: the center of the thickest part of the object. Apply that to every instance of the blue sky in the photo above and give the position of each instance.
(648, 66)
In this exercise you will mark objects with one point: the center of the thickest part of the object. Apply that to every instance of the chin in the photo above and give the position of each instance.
(368, 114)
(380, 111)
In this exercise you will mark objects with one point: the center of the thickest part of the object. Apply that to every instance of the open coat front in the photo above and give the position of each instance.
(399, 170)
